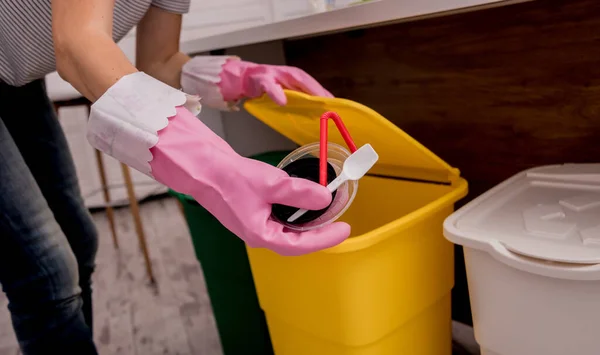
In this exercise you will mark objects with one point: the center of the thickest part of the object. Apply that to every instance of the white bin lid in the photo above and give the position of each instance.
(547, 216)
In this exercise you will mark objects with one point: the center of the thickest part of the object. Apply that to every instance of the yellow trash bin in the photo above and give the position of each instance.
(386, 290)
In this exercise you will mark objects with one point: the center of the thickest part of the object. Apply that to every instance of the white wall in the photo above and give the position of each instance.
(211, 17)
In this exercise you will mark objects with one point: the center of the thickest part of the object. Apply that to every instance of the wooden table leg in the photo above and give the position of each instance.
(135, 211)
(105, 189)
(106, 193)
(181, 208)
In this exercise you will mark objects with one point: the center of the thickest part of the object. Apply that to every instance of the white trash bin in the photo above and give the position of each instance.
(532, 254)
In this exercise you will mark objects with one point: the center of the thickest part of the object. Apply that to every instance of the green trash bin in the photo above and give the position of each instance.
(240, 320)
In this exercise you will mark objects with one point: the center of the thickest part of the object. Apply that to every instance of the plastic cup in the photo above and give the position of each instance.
(336, 155)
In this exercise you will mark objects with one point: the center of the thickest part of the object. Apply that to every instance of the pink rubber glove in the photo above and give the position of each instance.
(238, 191)
(240, 79)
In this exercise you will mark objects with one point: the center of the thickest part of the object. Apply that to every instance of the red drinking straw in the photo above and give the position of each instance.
(323, 142)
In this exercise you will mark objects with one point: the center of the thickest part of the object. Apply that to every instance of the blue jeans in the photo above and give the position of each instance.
(48, 241)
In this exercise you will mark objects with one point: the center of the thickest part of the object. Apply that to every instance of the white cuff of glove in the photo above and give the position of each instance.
(125, 121)
(201, 76)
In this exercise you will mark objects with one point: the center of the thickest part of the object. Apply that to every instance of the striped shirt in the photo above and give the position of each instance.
(26, 48)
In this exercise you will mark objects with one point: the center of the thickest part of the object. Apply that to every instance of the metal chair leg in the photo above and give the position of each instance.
(106, 193)
(135, 211)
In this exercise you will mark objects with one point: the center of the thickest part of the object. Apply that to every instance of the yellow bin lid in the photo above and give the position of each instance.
(400, 155)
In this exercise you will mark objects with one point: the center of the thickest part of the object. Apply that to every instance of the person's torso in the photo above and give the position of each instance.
(26, 49)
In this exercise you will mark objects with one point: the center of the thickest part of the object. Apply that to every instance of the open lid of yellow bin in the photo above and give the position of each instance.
(400, 155)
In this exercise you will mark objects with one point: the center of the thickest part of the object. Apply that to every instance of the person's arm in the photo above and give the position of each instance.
(86, 55)
(157, 48)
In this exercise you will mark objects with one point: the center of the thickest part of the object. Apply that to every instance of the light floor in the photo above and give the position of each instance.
(131, 317)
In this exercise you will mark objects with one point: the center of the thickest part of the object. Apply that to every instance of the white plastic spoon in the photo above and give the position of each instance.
(355, 167)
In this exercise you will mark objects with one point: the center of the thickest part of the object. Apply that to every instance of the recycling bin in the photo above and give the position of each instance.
(240, 320)
(532, 255)
(387, 289)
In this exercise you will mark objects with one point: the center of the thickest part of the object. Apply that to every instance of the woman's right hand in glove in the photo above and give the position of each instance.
(238, 191)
